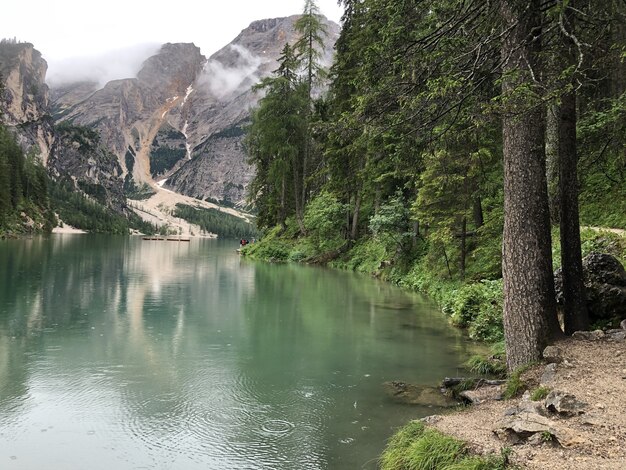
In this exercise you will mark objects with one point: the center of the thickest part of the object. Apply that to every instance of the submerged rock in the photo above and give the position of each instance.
(418, 395)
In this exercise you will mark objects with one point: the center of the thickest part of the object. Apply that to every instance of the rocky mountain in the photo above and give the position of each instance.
(181, 121)
(71, 154)
(25, 101)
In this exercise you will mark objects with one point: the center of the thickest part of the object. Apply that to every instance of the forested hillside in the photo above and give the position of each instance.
(452, 132)
(24, 203)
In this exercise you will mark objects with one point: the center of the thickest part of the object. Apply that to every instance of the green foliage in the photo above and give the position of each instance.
(515, 386)
(23, 189)
(323, 221)
(215, 221)
(366, 256)
(86, 137)
(270, 248)
(487, 365)
(163, 159)
(592, 240)
(138, 193)
(417, 447)
(77, 210)
(275, 143)
(539, 393)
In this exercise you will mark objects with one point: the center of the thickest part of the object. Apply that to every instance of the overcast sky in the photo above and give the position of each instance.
(64, 30)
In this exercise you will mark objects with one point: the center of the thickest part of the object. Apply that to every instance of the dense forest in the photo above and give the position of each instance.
(24, 201)
(450, 152)
(216, 221)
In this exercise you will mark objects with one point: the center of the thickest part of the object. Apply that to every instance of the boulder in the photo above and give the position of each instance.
(553, 355)
(482, 394)
(524, 426)
(563, 403)
(605, 286)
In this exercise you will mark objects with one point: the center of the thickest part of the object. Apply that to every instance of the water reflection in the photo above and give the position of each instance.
(153, 354)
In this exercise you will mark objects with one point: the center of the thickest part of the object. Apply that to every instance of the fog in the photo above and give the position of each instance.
(224, 80)
(100, 68)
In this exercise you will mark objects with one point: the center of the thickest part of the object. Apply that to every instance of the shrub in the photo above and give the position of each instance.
(323, 220)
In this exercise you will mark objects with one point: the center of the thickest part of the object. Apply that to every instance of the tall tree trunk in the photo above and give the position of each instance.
(529, 299)
(478, 212)
(296, 197)
(553, 118)
(463, 246)
(283, 190)
(576, 316)
(355, 217)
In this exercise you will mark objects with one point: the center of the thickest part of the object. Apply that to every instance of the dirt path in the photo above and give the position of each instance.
(618, 231)
(596, 375)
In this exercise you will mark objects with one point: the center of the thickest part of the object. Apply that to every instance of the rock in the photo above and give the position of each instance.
(563, 403)
(616, 335)
(518, 428)
(418, 395)
(623, 324)
(482, 394)
(524, 424)
(605, 286)
(449, 382)
(553, 355)
(549, 374)
(432, 419)
(588, 335)
(527, 406)
(592, 420)
(535, 440)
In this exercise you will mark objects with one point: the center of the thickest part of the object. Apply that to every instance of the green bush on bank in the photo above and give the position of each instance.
(418, 447)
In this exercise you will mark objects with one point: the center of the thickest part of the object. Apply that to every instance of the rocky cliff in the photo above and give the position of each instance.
(181, 121)
(220, 108)
(25, 102)
(70, 153)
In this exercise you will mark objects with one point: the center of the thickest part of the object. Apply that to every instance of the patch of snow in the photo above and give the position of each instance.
(189, 92)
(187, 146)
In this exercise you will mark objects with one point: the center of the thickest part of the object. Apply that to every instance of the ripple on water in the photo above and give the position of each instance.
(277, 427)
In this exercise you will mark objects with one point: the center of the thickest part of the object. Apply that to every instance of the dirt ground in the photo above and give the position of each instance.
(595, 374)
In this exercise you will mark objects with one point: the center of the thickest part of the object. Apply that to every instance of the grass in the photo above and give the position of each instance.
(487, 366)
(539, 393)
(515, 386)
(417, 447)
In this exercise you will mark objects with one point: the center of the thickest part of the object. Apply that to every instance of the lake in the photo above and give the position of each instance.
(119, 353)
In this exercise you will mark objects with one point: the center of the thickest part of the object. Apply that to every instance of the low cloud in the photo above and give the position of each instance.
(241, 71)
(102, 68)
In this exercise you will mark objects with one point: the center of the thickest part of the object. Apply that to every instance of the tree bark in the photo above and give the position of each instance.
(478, 212)
(529, 298)
(355, 217)
(576, 317)
(463, 246)
(553, 117)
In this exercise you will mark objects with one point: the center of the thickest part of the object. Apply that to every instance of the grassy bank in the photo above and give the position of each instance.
(418, 447)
